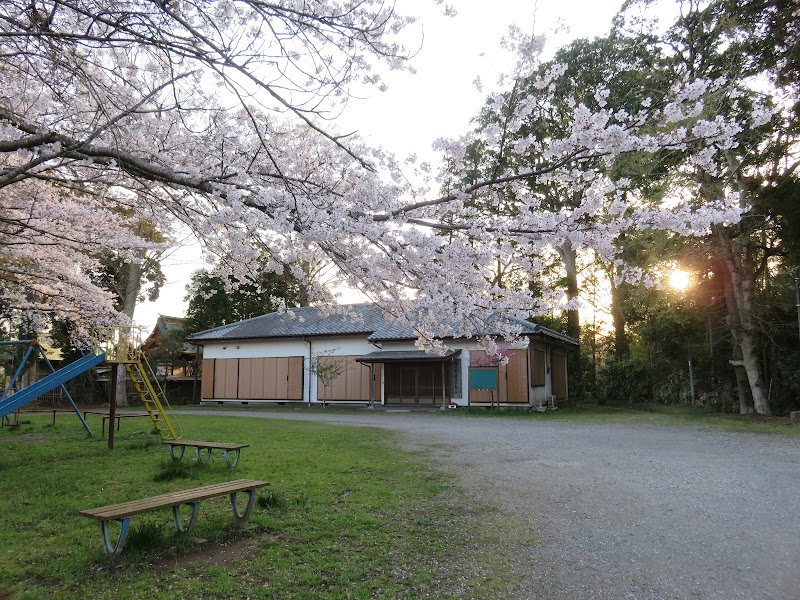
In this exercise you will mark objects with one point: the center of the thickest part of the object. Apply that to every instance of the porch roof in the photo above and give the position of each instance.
(386, 356)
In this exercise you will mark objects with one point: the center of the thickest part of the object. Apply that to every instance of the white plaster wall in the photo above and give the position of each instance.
(256, 349)
(353, 346)
(307, 348)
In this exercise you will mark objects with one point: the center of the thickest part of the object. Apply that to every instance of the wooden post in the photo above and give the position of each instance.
(195, 399)
(444, 399)
(112, 407)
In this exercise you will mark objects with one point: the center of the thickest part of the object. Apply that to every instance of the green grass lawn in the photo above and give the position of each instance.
(347, 515)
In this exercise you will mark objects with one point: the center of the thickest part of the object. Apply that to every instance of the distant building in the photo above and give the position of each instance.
(175, 368)
(319, 358)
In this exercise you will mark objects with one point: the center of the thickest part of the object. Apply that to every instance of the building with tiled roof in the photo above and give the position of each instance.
(355, 354)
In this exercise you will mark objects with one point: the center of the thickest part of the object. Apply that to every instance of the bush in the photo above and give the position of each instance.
(674, 389)
(624, 380)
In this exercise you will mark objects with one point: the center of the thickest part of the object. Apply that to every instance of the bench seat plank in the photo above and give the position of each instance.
(135, 507)
(197, 444)
(227, 448)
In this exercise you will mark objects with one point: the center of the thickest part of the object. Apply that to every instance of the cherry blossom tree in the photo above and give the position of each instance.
(110, 107)
(214, 114)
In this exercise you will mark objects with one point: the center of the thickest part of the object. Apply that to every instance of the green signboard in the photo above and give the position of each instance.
(483, 378)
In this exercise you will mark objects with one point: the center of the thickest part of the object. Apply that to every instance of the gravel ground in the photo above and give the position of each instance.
(623, 511)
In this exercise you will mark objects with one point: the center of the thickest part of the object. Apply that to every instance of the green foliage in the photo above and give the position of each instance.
(212, 305)
(778, 202)
(674, 388)
(769, 27)
(273, 500)
(554, 322)
(624, 381)
(171, 350)
(144, 537)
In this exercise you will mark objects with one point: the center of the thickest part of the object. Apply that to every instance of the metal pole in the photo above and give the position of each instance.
(196, 371)
(112, 406)
(18, 372)
(691, 378)
(66, 393)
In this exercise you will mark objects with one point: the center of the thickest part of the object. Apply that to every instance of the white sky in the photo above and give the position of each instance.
(438, 100)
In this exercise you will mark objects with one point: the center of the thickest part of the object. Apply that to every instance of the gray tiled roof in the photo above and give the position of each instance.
(307, 321)
(311, 321)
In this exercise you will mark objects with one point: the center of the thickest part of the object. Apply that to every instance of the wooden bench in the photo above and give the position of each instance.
(226, 448)
(7, 422)
(124, 511)
(118, 416)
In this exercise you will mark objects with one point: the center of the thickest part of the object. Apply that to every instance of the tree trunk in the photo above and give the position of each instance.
(742, 384)
(622, 347)
(740, 285)
(303, 296)
(574, 359)
(132, 280)
(726, 391)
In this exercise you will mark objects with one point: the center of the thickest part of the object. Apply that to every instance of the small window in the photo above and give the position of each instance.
(537, 367)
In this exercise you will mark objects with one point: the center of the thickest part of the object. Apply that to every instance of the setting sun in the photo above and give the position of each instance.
(679, 280)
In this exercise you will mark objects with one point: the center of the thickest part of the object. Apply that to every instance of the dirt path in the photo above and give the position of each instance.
(624, 512)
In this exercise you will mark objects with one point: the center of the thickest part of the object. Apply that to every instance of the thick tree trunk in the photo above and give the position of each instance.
(132, 281)
(740, 286)
(303, 296)
(622, 348)
(742, 383)
(574, 359)
(740, 292)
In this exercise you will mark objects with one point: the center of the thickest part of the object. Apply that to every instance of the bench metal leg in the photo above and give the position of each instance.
(232, 462)
(108, 547)
(176, 516)
(242, 517)
(200, 457)
(172, 453)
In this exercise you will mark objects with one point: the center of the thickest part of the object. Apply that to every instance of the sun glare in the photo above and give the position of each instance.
(679, 280)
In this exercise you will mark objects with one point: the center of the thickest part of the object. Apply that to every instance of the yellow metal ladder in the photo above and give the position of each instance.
(122, 345)
(153, 398)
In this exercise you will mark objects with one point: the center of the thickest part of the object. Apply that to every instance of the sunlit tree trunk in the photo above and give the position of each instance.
(740, 293)
(132, 282)
(622, 347)
(740, 286)
(574, 362)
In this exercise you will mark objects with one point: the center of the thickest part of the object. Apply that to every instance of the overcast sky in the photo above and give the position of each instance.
(439, 99)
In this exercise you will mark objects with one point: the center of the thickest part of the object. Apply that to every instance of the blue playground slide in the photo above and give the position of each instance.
(9, 404)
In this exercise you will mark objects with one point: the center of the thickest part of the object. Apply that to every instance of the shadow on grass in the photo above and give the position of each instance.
(170, 471)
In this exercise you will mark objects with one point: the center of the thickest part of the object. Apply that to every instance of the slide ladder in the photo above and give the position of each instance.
(122, 345)
(153, 398)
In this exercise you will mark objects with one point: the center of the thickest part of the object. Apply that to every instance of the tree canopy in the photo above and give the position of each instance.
(213, 303)
(213, 114)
